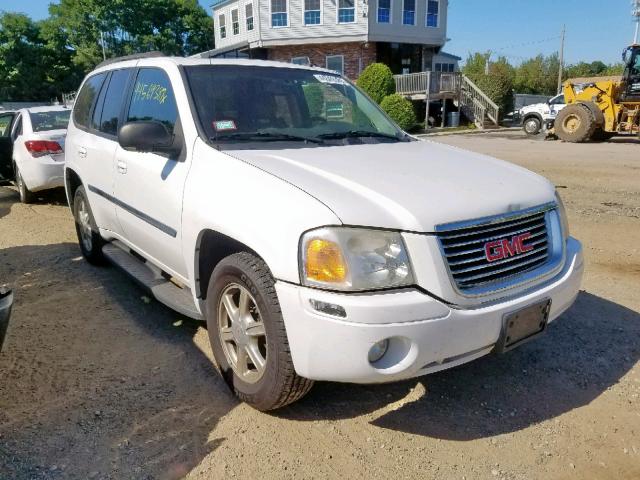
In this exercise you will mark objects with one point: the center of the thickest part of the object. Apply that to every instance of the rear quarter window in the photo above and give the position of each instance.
(86, 100)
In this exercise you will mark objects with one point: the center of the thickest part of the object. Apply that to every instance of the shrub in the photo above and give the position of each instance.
(400, 110)
(377, 80)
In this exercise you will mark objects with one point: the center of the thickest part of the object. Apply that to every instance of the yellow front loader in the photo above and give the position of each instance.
(599, 108)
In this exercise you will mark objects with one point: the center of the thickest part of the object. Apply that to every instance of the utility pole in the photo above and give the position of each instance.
(104, 54)
(486, 63)
(636, 13)
(561, 59)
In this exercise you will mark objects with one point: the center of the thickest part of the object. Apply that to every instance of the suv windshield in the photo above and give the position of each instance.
(54, 120)
(237, 103)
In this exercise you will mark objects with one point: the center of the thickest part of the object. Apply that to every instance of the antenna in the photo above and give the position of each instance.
(635, 11)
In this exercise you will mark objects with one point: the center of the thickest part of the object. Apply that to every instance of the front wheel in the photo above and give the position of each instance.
(532, 126)
(575, 123)
(89, 238)
(248, 336)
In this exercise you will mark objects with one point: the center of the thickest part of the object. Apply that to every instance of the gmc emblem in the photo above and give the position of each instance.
(500, 249)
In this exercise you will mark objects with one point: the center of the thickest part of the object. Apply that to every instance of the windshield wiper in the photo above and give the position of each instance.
(359, 133)
(265, 136)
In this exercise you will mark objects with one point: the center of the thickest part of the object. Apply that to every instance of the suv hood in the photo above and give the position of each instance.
(411, 186)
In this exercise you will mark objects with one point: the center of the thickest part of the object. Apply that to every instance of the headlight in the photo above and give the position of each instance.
(354, 259)
(563, 217)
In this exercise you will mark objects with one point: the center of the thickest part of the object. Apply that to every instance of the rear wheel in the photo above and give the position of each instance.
(26, 196)
(532, 126)
(89, 238)
(248, 336)
(575, 123)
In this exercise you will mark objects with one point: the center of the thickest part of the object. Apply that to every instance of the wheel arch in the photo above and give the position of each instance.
(71, 182)
(211, 247)
(527, 116)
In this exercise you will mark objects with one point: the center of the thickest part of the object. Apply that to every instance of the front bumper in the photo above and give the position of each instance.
(427, 335)
(6, 302)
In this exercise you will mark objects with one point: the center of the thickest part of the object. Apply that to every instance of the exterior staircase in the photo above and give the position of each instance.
(432, 86)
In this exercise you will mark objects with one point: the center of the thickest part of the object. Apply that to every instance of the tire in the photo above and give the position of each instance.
(26, 196)
(532, 126)
(601, 136)
(89, 238)
(276, 384)
(575, 123)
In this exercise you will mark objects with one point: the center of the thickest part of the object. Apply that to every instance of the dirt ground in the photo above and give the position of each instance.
(96, 381)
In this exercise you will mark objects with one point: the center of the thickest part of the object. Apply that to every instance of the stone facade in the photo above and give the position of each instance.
(356, 55)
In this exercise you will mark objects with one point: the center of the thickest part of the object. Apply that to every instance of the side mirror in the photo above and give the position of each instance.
(148, 136)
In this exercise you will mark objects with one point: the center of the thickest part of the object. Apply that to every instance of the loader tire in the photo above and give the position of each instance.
(575, 123)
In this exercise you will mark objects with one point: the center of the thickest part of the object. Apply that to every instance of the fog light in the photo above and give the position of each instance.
(378, 350)
(328, 308)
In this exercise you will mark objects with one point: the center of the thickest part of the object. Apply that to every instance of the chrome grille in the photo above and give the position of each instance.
(464, 248)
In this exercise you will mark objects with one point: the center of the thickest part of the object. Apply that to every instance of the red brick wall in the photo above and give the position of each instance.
(352, 52)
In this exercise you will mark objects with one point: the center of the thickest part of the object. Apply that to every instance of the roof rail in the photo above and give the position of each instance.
(135, 56)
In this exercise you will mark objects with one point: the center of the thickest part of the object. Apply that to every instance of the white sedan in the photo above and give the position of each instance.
(34, 148)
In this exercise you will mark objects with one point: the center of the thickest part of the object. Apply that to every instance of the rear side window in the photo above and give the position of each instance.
(153, 99)
(113, 100)
(86, 99)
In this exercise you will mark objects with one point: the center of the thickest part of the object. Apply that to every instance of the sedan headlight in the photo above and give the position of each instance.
(354, 259)
(562, 212)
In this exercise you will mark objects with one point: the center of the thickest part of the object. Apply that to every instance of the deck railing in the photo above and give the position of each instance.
(437, 82)
(473, 101)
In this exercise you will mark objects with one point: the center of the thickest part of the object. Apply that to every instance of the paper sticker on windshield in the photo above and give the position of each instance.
(334, 79)
(223, 125)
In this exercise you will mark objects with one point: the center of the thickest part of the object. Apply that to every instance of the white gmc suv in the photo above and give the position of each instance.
(318, 240)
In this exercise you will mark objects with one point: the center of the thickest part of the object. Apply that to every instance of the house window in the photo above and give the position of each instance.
(312, 12)
(445, 67)
(346, 11)
(248, 13)
(223, 28)
(235, 23)
(433, 9)
(384, 11)
(279, 13)
(301, 60)
(335, 63)
(409, 12)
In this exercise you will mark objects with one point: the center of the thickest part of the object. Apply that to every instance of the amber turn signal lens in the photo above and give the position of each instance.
(324, 262)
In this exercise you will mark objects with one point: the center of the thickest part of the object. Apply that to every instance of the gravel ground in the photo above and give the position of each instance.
(97, 381)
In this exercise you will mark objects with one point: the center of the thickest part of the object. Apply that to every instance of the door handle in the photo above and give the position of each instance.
(82, 152)
(122, 167)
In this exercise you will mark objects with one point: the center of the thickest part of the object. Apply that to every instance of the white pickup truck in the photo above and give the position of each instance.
(535, 116)
(317, 240)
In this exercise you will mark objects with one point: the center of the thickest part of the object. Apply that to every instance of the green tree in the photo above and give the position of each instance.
(22, 73)
(538, 75)
(174, 27)
(377, 80)
(497, 84)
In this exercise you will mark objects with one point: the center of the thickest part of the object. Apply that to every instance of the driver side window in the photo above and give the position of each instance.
(5, 125)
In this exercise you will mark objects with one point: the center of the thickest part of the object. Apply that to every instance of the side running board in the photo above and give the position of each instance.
(151, 278)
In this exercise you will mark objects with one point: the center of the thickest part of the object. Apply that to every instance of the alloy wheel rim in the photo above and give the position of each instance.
(85, 226)
(242, 333)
